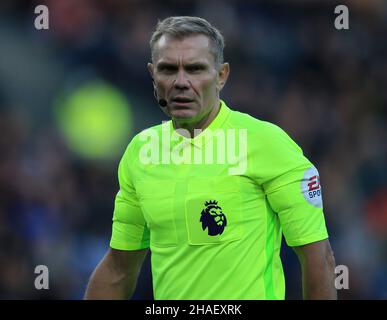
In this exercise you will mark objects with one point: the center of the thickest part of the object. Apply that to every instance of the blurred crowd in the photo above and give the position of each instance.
(289, 65)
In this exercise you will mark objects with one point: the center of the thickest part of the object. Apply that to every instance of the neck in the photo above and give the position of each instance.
(201, 124)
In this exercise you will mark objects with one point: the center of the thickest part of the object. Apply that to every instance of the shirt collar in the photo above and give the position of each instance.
(220, 118)
(216, 123)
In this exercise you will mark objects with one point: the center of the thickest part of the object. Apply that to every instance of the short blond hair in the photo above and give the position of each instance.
(183, 26)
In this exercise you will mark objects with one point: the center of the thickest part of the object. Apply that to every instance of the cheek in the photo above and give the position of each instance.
(206, 87)
(163, 84)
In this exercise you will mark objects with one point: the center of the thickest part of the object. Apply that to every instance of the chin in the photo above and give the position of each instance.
(182, 113)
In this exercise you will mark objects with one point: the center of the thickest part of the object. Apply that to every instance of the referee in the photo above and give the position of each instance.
(213, 225)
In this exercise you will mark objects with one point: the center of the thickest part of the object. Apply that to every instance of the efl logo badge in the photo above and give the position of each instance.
(311, 188)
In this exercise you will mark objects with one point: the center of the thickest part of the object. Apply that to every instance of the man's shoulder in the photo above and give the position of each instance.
(261, 134)
(150, 131)
(255, 126)
(268, 144)
(142, 137)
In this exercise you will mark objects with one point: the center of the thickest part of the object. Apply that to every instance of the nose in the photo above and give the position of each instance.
(181, 81)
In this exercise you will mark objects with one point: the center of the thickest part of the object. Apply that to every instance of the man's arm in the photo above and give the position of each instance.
(318, 270)
(116, 275)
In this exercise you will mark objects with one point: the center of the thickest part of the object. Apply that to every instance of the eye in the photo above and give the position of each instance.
(167, 68)
(195, 68)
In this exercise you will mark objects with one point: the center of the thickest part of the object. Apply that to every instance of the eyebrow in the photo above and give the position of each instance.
(162, 65)
(197, 64)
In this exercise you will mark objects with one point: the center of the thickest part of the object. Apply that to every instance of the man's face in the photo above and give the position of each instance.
(186, 76)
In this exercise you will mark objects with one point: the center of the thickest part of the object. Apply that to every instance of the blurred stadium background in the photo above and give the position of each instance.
(72, 97)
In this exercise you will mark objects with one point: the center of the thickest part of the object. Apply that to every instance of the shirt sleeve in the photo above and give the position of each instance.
(292, 186)
(129, 230)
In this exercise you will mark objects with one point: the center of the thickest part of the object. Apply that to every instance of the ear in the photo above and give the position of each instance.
(150, 69)
(223, 73)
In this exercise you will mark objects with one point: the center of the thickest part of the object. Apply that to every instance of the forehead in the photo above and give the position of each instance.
(191, 48)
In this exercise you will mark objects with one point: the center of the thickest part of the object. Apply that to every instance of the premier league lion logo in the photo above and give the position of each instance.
(213, 218)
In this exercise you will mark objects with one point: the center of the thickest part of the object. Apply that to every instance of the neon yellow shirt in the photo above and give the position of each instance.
(214, 227)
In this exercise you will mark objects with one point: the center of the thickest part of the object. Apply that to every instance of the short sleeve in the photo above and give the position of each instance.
(129, 230)
(292, 187)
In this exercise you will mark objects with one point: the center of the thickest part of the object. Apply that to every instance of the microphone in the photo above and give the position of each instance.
(162, 103)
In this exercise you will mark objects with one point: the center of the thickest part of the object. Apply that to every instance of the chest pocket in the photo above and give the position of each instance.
(213, 210)
(157, 199)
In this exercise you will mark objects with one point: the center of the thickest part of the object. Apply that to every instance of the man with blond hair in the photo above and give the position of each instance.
(213, 232)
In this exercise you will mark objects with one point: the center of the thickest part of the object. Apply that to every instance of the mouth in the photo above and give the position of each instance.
(181, 101)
